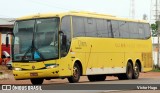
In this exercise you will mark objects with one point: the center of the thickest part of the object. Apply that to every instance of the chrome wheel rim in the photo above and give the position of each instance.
(136, 70)
(75, 73)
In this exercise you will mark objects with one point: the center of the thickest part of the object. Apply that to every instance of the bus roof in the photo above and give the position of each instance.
(81, 13)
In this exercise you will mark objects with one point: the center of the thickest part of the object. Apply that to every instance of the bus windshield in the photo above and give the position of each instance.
(35, 40)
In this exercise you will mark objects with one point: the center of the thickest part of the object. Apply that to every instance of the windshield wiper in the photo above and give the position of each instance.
(33, 50)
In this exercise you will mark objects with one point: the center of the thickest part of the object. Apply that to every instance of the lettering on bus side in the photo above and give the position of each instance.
(120, 45)
(123, 45)
(81, 44)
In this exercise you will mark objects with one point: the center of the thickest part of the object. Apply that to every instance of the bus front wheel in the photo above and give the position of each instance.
(37, 81)
(76, 74)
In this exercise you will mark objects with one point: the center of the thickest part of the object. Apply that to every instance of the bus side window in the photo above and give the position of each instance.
(123, 29)
(109, 28)
(78, 26)
(66, 28)
(141, 31)
(115, 28)
(133, 27)
(101, 28)
(147, 31)
(90, 27)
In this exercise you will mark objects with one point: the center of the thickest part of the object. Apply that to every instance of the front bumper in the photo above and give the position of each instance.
(43, 73)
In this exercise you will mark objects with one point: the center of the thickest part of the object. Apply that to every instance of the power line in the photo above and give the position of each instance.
(8, 20)
(48, 5)
(132, 8)
(6, 16)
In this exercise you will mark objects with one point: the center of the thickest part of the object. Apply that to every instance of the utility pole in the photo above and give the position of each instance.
(158, 35)
(132, 8)
(158, 32)
(155, 17)
(156, 10)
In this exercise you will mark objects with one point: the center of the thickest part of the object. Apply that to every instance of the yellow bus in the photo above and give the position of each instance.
(74, 44)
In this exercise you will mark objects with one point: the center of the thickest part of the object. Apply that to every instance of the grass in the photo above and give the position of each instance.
(1, 73)
(156, 70)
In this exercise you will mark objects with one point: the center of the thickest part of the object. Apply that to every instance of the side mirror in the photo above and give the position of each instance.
(7, 41)
(60, 32)
(64, 40)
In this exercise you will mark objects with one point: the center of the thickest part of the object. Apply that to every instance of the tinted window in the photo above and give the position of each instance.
(90, 27)
(109, 28)
(141, 30)
(147, 30)
(133, 27)
(108, 24)
(78, 26)
(101, 29)
(115, 28)
(66, 28)
(123, 29)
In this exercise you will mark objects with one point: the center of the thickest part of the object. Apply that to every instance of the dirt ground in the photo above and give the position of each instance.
(7, 77)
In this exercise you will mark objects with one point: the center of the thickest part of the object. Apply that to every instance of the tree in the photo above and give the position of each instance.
(154, 28)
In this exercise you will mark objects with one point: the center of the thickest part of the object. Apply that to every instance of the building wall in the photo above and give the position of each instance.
(155, 49)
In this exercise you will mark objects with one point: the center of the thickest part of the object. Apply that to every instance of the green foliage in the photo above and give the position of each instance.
(1, 73)
(156, 70)
(154, 28)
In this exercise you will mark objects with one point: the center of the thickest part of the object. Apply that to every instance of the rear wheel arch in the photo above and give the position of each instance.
(130, 61)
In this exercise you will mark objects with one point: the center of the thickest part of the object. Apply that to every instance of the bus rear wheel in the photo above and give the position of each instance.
(136, 71)
(76, 74)
(37, 81)
(128, 74)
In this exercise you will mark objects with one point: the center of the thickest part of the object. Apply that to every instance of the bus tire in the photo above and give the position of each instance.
(128, 74)
(136, 71)
(37, 81)
(76, 74)
(92, 78)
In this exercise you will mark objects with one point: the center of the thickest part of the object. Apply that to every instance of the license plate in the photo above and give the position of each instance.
(33, 74)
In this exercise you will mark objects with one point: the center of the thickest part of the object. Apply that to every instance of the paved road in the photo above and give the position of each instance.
(93, 86)
(97, 87)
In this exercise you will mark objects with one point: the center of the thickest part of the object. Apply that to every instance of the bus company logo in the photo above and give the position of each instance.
(15, 87)
(33, 67)
(6, 87)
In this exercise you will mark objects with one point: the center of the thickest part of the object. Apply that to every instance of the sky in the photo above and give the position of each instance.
(121, 8)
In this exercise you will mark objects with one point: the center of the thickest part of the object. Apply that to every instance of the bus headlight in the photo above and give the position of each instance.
(17, 69)
(53, 66)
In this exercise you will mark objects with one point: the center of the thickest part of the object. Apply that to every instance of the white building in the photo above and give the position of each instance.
(155, 49)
